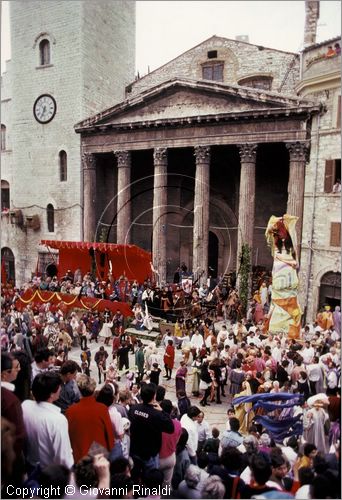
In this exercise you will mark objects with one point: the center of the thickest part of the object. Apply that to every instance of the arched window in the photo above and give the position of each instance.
(330, 290)
(50, 215)
(44, 52)
(5, 195)
(257, 82)
(7, 266)
(63, 166)
(3, 137)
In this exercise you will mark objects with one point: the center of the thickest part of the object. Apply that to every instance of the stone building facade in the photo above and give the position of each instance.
(321, 240)
(222, 135)
(195, 157)
(82, 55)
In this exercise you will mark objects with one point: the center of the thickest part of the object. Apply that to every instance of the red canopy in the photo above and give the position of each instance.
(128, 260)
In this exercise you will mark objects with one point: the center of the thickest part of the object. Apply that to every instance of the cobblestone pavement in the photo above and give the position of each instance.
(215, 414)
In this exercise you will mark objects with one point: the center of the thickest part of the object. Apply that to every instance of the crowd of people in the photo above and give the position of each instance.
(108, 428)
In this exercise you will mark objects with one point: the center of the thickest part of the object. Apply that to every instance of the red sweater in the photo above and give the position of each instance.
(89, 421)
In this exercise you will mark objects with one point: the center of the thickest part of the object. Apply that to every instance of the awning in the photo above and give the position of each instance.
(103, 247)
(124, 260)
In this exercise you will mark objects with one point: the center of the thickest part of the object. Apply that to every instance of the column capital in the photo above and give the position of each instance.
(202, 154)
(159, 155)
(124, 158)
(299, 151)
(88, 161)
(247, 152)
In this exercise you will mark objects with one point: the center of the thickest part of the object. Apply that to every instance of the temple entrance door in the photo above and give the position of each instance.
(213, 252)
(7, 266)
(330, 290)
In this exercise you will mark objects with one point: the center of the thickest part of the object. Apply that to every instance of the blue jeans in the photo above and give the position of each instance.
(141, 465)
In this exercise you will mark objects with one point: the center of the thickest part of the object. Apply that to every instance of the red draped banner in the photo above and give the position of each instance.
(66, 301)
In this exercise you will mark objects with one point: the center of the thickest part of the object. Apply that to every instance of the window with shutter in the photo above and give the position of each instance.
(329, 175)
(335, 234)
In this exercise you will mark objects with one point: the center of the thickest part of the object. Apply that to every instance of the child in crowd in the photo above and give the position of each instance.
(211, 448)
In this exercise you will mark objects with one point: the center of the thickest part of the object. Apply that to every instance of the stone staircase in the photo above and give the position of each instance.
(155, 335)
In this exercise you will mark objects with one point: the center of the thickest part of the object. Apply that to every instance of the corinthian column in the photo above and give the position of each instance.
(159, 213)
(89, 196)
(298, 152)
(201, 212)
(246, 198)
(124, 197)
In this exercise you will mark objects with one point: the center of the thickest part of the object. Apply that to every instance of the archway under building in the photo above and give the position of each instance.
(7, 266)
(330, 290)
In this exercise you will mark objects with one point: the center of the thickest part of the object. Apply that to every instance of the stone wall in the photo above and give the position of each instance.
(241, 60)
(320, 208)
(83, 78)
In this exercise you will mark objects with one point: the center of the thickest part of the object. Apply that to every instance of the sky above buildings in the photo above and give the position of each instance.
(165, 29)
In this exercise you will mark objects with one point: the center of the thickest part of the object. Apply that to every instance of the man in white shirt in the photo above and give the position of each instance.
(46, 428)
(253, 339)
(167, 337)
(203, 291)
(332, 333)
(203, 431)
(189, 422)
(307, 353)
(196, 341)
(42, 361)
(276, 352)
(230, 342)
(222, 335)
(315, 374)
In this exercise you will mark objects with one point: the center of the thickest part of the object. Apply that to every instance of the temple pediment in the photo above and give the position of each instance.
(178, 100)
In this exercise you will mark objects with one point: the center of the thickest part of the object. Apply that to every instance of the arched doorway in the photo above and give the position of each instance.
(330, 290)
(51, 270)
(7, 266)
(213, 252)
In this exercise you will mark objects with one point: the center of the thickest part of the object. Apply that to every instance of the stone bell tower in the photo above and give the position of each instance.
(69, 60)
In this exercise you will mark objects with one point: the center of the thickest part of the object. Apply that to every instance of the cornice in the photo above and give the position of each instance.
(258, 95)
(321, 81)
(302, 112)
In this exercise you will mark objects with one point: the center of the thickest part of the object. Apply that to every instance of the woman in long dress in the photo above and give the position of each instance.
(106, 331)
(243, 411)
(181, 374)
(315, 422)
(196, 373)
(236, 377)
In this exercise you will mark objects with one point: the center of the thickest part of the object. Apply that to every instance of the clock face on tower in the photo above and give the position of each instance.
(44, 108)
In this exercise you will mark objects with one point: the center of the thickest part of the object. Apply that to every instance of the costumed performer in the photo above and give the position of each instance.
(285, 312)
